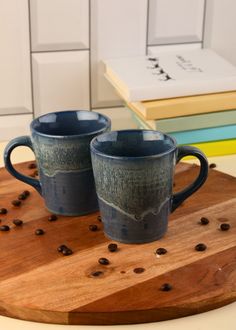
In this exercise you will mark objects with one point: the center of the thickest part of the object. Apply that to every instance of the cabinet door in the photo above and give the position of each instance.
(220, 27)
(13, 126)
(121, 118)
(15, 84)
(118, 28)
(61, 81)
(175, 21)
(59, 24)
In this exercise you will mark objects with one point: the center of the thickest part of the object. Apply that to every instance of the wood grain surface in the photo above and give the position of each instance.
(38, 283)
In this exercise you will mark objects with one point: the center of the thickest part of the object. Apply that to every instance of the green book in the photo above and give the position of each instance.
(187, 123)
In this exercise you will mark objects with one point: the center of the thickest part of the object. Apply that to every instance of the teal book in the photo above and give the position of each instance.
(205, 134)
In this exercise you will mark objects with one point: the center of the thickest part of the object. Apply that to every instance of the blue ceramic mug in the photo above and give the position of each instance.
(133, 171)
(60, 141)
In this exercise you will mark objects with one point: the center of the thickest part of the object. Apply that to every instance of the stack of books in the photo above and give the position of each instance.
(190, 95)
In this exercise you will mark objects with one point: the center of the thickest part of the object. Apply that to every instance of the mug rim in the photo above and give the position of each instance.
(100, 153)
(33, 129)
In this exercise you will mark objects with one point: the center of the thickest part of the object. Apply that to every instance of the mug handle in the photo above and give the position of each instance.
(20, 141)
(183, 151)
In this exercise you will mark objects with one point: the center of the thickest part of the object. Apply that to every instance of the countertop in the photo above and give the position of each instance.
(221, 318)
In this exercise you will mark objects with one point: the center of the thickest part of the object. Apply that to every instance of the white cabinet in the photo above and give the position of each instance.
(220, 27)
(121, 118)
(59, 24)
(175, 21)
(118, 28)
(152, 50)
(15, 86)
(13, 126)
(61, 81)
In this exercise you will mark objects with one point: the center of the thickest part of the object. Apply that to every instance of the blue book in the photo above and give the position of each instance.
(205, 134)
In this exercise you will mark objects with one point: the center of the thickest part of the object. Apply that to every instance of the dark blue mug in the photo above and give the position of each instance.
(133, 171)
(60, 141)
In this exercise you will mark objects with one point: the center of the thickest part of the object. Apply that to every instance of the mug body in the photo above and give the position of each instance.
(61, 144)
(133, 172)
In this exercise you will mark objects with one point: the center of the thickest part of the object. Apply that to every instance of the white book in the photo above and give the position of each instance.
(170, 74)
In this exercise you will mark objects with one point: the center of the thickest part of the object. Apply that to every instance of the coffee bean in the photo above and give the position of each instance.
(166, 287)
(36, 173)
(67, 252)
(52, 217)
(103, 261)
(97, 273)
(161, 251)
(99, 218)
(93, 227)
(225, 226)
(16, 202)
(39, 232)
(112, 247)
(212, 165)
(22, 197)
(204, 221)
(139, 270)
(200, 247)
(32, 165)
(3, 210)
(61, 248)
(26, 193)
(17, 222)
(4, 228)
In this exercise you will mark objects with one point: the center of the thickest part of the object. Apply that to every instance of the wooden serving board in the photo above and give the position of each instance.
(38, 283)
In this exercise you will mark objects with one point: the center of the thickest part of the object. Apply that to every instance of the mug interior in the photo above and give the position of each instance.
(133, 143)
(68, 123)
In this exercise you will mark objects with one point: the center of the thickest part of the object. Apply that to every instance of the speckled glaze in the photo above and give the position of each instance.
(61, 141)
(133, 172)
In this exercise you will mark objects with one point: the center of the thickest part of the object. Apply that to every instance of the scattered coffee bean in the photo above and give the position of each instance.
(36, 173)
(204, 221)
(166, 287)
(61, 248)
(212, 165)
(32, 165)
(103, 261)
(93, 227)
(17, 222)
(4, 228)
(139, 270)
(26, 193)
(22, 197)
(3, 210)
(16, 202)
(112, 247)
(39, 232)
(67, 251)
(97, 273)
(52, 217)
(200, 247)
(99, 218)
(225, 226)
(161, 251)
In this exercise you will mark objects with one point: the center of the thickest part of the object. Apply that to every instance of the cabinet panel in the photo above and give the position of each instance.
(220, 26)
(59, 24)
(15, 85)
(13, 126)
(152, 50)
(121, 117)
(61, 81)
(175, 21)
(118, 28)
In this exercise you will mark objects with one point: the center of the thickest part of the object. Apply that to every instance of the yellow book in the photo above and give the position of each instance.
(184, 106)
(217, 148)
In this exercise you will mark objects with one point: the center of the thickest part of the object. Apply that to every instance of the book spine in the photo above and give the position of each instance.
(216, 148)
(205, 134)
